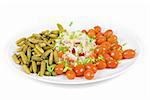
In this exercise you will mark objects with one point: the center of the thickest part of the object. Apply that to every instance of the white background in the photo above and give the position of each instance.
(16, 15)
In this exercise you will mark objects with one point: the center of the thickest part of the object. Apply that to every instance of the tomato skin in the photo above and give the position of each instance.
(91, 66)
(112, 39)
(112, 64)
(91, 33)
(102, 49)
(89, 74)
(108, 33)
(98, 35)
(100, 39)
(116, 47)
(97, 29)
(97, 50)
(101, 65)
(79, 70)
(70, 74)
(107, 57)
(116, 54)
(84, 31)
(107, 44)
(129, 53)
(59, 69)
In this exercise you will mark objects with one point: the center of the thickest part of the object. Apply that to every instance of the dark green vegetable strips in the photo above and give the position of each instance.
(37, 52)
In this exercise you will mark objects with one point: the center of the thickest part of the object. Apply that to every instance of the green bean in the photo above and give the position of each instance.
(25, 47)
(50, 61)
(36, 58)
(19, 49)
(56, 59)
(53, 36)
(46, 53)
(34, 41)
(26, 69)
(29, 54)
(42, 44)
(24, 57)
(15, 58)
(54, 73)
(55, 32)
(39, 49)
(37, 53)
(21, 62)
(31, 68)
(30, 44)
(42, 68)
(47, 73)
(47, 47)
(34, 66)
(60, 27)
(21, 43)
(20, 40)
(38, 63)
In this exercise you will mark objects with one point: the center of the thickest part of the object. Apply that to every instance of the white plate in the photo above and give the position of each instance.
(124, 35)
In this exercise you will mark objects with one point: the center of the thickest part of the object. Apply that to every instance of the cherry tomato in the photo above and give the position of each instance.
(60, 54)
(96, 50)
(108, 33)
(97, 29)
(84, 31)
(116, 54)
(112, 64)
(98, 35)
(91, 66)
(102, 49)
(116, 47)
(107, 44)
(100, 39)
(59, 69)
(101, 65)
(128, 54)
(91, 33)
(70, 74)
(79, 70)
(107, 57)
(112, 39)
(89, 74)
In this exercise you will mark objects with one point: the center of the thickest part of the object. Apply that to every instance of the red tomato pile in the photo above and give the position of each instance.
(106, 55)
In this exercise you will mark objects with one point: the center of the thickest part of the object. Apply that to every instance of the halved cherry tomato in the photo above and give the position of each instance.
(101, 65)
(60, 54)
(79, 70)
(108, 33)
(59, 69)
(91, 33)
(91, 66)
(116, 54)
(70, 74)
(128, 54)
(112, 64)
(89, 74)
(97, 29)
(100, 39)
